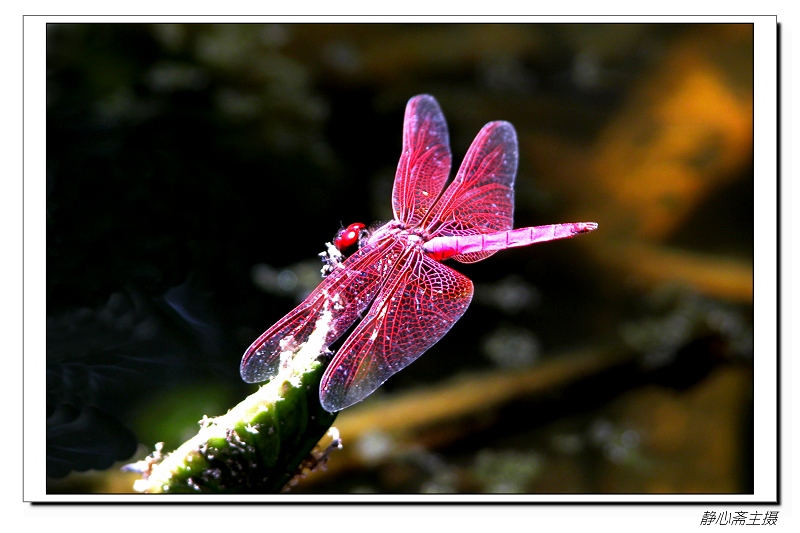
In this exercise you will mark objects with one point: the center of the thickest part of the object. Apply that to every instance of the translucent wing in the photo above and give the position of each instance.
(419, 303)
(424, 162)
(345, 294)
(481, 197)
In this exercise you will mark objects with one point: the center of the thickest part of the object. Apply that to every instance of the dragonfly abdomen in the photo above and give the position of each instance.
(441, 248)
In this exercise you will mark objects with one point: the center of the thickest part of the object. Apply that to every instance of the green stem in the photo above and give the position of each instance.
(259, 445)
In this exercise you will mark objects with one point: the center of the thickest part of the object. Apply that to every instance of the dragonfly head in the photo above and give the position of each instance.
(348, 236)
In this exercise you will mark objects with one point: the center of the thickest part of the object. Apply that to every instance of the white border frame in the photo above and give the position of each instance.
(765, 268)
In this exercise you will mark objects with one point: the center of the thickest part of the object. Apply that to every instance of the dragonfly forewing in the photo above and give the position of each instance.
(424, 164)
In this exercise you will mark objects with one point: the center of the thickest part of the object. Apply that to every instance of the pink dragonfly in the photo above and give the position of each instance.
(396, 273)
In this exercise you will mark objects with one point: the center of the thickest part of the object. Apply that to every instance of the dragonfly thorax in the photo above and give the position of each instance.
(397, 230)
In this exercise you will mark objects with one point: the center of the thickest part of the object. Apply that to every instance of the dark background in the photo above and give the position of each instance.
(195, 171)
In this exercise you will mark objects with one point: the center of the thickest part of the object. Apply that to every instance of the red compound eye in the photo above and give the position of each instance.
(348, 236)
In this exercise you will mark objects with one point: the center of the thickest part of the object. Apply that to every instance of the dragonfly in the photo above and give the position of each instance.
(396, 275)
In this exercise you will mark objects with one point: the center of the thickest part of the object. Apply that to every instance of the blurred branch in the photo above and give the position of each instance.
(405, 416)
(716, 276)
